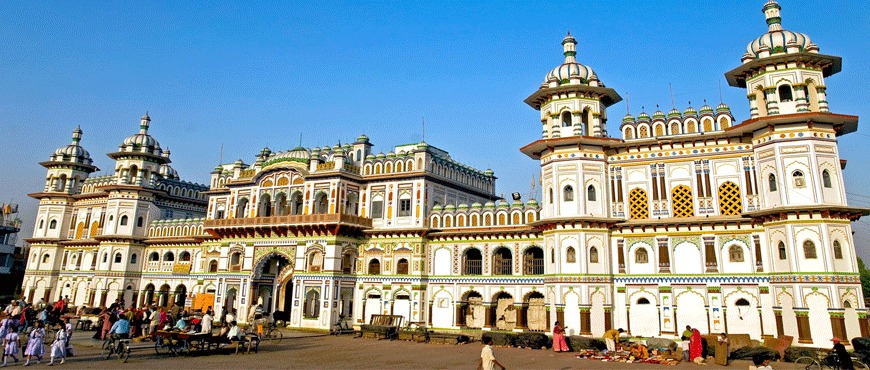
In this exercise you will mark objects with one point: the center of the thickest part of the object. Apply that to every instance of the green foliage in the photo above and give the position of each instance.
(865, 277)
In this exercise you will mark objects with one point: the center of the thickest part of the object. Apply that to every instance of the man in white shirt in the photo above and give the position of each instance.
(235, 332)
(487, 359)
(13, 309)
(206, 322)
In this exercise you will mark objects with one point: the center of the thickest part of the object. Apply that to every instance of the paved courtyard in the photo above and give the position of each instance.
(314, 351)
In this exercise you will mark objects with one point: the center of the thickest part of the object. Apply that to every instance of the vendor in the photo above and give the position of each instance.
(611, 337)
(639, 351)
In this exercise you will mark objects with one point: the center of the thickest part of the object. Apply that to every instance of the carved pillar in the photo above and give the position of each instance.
(777, 314)
(585, 325)
(710, 255)
(801, 97)
(522, 316)
(489, 320)
(772, 101)
(608, 324)
(753, 106)
(803, 324)
(864, 325)
(838, 325)
(823, 99)
(664, 256)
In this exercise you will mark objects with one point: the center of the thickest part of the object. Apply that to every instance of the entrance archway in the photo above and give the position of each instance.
(163, 299)
(180, 295)
(271, 283)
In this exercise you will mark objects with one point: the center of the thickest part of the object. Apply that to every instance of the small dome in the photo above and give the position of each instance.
(658, 114)
(141, 141)
(362, 139)
(316, 149)
(517, 203)
(674, 113)
(643, 116)
(476, 205)
(437, 208)
(690, 112)
(706, 109)
(488, 172)
(370, 157)
(628, 118)
(489, 204)
(462, 206)
(570, 69)
(450, 207)
(503, 204)
(168, 172)
(73, 152)
(422, 145)
(299, 153)
(532, 203)
(380, 156)
(391, 155)
(218, 168)
(266, 151)
(723, 108)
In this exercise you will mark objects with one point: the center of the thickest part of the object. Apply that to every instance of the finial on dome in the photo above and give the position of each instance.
(144, 123)
(77, 135)
(771, 12)
(569, 44)
(167, 152)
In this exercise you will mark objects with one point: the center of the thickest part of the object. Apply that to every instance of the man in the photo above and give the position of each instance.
(487, 359)
(235, 332)
(611, 337)
(154, 325)
(13, 309)
(206, 322)
(841, 356)
(121, 328)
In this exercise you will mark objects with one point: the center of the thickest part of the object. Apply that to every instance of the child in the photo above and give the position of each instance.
(10, 346)
(487, 359)
(58, 347)
(35, 345)
(69, 332)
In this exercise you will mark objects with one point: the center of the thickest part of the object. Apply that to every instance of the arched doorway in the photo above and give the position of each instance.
(180, 295)
(471, 310)
(535, 312)
(163, 296)
(505, 314)
(270, 284)
(148, 297)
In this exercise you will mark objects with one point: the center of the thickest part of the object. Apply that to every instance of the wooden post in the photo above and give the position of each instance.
(803, 321)
(865, 326)
(838, 326)
(585, 324)
(777, 314)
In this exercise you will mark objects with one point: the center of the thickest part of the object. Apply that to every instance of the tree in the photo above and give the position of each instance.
(865, 277)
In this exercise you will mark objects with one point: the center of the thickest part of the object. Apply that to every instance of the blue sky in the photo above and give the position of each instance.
(251, 75)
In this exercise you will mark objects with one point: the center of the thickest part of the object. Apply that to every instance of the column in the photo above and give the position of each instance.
(823, 99)
(865, 326)
(801, 97)
(585, 324)
(772, 101)
(838, 325)
(753, 106)
(803, 323)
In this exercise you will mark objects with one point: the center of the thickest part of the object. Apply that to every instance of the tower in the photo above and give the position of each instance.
(572, 100)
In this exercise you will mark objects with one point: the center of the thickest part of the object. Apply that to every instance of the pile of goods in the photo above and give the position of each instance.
(656, 357)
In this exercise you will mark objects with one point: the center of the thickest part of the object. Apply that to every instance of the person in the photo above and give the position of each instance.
(181, 324)
(696, 346)
(224, 314)
(235, 331)
(5, 325)
(611, 337)
(760, 362)
(684, 345)
(155, 321)
(639, 351)
(121, 328)
(35, 344)
(206, 322)
(106, 319)
(10, 346)
(174, 311)
(841, 356)
(559, 344)
(225, 331)
(13, 310)
(69, 332)
(231, 316)
(487, 359)
(721, 354)
(58, 347)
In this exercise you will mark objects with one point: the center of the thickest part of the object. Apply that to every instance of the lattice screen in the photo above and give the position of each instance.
(681, 197)
(730, 203)
(638, 204)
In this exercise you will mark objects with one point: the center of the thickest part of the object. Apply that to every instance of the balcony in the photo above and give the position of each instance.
(287, 224)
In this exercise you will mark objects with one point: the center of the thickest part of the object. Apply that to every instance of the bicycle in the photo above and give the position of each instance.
(114, 345)
(341, 327)
(827, 360)
(272, 333)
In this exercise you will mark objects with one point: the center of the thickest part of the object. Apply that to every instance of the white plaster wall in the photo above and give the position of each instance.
(687, 259)
(820, 320)
(572, 313)
(691, 311)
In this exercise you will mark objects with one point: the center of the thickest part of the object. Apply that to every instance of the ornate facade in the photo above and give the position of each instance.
(690, 218)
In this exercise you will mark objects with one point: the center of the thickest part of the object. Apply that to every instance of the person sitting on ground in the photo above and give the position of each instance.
(760, 362)
(639, 351)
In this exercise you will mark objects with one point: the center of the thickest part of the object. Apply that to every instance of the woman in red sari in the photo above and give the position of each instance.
(695, 345)
(559, 344)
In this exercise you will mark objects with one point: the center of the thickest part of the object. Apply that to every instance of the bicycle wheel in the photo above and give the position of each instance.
(808, 363)
(159, 346)
(858, 365)
(277, 335)
(107, 349)
(123, 351)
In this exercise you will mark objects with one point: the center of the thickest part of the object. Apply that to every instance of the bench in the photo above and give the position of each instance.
(386, 326)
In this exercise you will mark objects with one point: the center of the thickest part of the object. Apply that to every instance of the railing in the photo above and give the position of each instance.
(473, 267)
(325, 218)
(502, 267)
(326, 166)
(534, 266)
(236, 268)
(153, 266)
(166, 266)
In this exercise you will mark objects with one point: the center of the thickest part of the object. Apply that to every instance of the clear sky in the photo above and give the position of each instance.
(251, 75)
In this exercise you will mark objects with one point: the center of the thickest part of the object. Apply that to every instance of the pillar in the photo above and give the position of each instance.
(488, 320)
(522, 312)
(803, 323)
(585, 324)
(753, 106)
(772, 101)
(823, 99)
(779, 328)
(800, 91)
(608, 323)
(865, 326)
(838, 325)
(560, 315)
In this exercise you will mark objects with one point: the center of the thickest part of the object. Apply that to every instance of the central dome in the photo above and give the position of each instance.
(570, 70)
(142, 141)
(73, 152)
(777, 40)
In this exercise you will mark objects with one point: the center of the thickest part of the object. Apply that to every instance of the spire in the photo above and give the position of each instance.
(77, 135)
(570, 46)
(771, 12)
(144, 123)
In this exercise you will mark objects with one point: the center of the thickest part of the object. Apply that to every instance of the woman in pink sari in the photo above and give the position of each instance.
(695, 345)
(559, 344)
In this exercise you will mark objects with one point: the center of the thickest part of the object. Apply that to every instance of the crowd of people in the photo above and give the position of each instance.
(20, 319)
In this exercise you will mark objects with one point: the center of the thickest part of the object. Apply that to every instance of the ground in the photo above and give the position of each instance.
(314, 351)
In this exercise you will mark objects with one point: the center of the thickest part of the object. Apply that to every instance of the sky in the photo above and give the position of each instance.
(241, 76)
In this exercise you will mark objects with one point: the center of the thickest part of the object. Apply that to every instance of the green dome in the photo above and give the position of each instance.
(489, 204)
(674, 113)
(658, 114)
(628, 118)
(532, 203)
(643, 116)
(690, 112)
(476, 205)
(723, 108)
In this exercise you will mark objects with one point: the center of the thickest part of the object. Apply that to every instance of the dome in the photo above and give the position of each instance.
(73, 152)
(690, 112)
(488, 172)
(532, 203)
(628, 118)
(489, 204)
(362, 139)
(723, 108)
(674, 113)
(659, 114)
(380, 156)
(450, 207)
(517, 203)
(168, 172)
(462, 206)
(643, 116)
(370, 157)
(777, 40)
(299, 153)
(570, 69)
(141, 141)
(476, 205)
(503, 204)
(706, 109)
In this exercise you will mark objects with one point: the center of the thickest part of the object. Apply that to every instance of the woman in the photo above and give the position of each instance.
(722, 350)
(106, 319)
(35, 344)
(58, 347)
(559, 344)
(695, 346)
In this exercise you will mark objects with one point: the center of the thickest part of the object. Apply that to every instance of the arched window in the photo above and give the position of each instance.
(568, 193)
(117, 257)
(374, 267)
(643, 132)
(730, 202)
(133, 258)
(533, 261)
(566, 119)
(784, 93)
(781, 249)
(826, 179)
(643, 301)
(105, 257)
(550, 191)
(684, 205)
(312, 304)
(590, 194)
(264, 209)
(52, 225)
(638, 204)
(502, 262)
(798, 177)
(45, 258)
(140, 221)
(641, 256)
(735, 254)
(472, 263)
(570, 255)
(184, 256)
(296, 203)
(153, 256)
(41, 224)
(809, 250)
(168, 257)
(236, 261)
(629, 133)
(838, 250)
(123, 221)
(402, 267)
(675, 128)
(593, 255)
(315, 261)
(347, 263)
(241, 207)
(321, 203)
(742, 302)
(771, 182)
